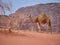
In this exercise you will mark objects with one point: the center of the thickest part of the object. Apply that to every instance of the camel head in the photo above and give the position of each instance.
(31, 18)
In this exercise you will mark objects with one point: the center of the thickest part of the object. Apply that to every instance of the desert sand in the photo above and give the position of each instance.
(29, 38)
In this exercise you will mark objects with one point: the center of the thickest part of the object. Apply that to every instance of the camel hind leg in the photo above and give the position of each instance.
(49, 26)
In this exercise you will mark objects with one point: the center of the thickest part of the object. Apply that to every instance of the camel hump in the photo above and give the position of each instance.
(42, 17)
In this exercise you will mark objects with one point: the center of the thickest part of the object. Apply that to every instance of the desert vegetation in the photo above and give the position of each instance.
(5, 6)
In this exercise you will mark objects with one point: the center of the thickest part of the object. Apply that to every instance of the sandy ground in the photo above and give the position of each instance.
(29, 38)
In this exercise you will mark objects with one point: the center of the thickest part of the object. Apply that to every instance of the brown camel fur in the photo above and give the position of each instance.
(41, 20)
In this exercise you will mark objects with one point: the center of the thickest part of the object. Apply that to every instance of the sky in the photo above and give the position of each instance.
(16, 4)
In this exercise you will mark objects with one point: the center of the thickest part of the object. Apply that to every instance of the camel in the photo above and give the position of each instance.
(41, 20)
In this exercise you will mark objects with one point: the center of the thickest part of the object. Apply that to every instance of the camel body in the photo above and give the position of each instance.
(41, 20)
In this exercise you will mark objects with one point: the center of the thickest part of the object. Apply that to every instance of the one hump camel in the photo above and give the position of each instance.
(41, 20)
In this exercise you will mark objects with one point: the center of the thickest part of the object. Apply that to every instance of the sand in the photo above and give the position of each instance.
(29, 38)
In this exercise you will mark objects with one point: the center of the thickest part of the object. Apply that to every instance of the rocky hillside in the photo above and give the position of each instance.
(4, 21)
(20, 18)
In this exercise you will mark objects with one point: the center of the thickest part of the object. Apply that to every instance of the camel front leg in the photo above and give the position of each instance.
(39, 27)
